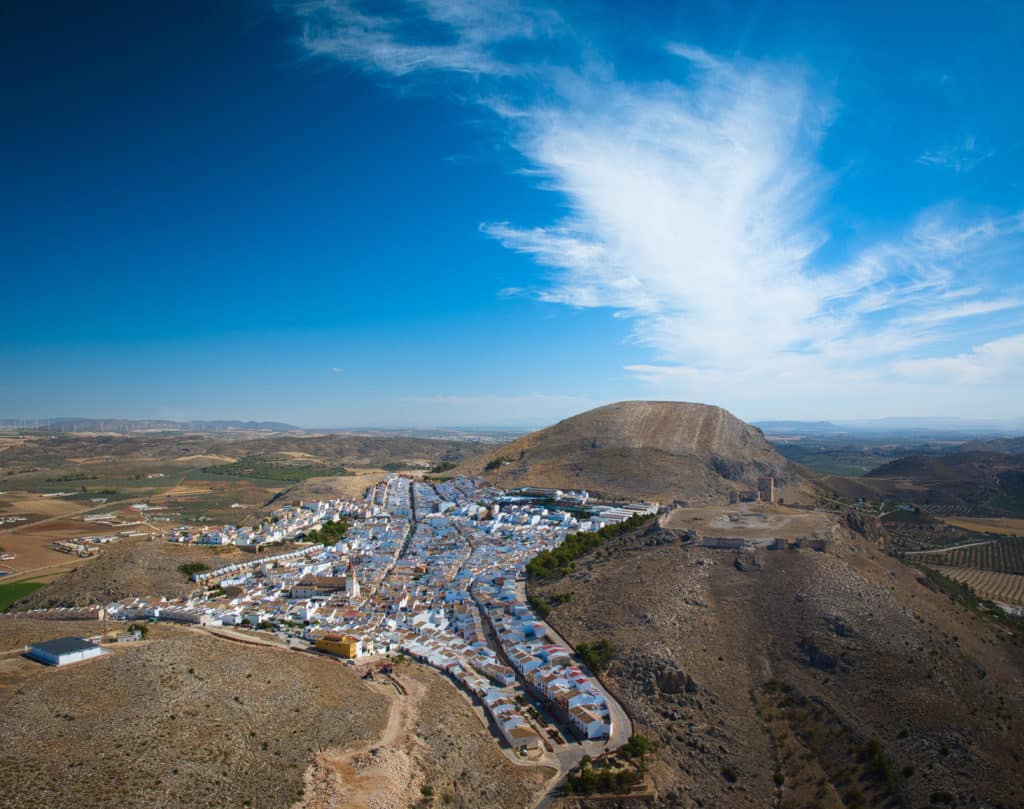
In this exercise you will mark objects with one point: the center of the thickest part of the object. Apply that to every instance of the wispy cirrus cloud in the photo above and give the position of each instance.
(959, 157)
(695, 207)
(440, 35)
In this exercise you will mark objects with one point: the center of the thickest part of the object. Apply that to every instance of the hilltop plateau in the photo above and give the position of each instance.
(656, 450)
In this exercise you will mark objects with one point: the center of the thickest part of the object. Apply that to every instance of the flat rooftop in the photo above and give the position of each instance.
(63, 646)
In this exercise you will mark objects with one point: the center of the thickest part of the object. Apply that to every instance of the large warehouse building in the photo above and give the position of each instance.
(62, 651)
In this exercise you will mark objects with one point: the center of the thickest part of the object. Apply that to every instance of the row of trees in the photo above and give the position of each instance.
(558, 562)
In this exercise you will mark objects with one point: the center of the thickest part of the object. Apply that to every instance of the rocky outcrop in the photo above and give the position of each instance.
(867, 525)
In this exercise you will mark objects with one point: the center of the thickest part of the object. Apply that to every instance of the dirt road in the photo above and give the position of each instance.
(381, 775)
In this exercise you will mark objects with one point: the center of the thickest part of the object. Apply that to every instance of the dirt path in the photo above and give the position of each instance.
(240, 637)
(951, 548)
(380, 775)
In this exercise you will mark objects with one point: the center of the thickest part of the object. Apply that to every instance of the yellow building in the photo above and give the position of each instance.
(340, 645)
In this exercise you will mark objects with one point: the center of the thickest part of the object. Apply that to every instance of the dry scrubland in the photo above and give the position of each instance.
(462, 763)
(351, 486)
(434, 752)
(18, 629)
(182, 720)
(188, 720)
(838, 673)
(130, 568)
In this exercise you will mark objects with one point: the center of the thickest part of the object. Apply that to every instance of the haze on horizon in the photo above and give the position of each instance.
(439, 213)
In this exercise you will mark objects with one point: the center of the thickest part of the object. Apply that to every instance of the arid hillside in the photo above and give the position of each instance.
(189, 719)
(658, 450)
(831, 678)
(182, 720)
(129, 569)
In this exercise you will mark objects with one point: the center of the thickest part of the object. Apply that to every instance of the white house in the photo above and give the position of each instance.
(591, 725)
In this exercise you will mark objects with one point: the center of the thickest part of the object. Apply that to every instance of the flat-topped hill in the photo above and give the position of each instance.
(657, 450)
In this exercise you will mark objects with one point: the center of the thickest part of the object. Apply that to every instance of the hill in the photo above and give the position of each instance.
(182, 719)
(978, 483)
(831, 677)
(128, 569)
(52, 452)
(656, 450)
(1009, 446)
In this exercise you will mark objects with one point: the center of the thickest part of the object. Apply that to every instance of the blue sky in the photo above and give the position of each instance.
(446, 212)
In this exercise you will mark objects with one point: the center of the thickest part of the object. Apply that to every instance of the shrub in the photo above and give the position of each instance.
(598, 655)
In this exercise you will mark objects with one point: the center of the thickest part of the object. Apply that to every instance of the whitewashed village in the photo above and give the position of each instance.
(434, 571)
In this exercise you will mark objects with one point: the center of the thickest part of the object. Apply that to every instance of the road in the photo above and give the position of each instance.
(952, 548)
(622, 726)
(572, 751)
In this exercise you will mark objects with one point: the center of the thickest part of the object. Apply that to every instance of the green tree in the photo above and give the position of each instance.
(638, 746)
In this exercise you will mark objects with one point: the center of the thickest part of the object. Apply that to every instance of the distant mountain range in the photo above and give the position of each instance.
(896, 425)
(71, 424)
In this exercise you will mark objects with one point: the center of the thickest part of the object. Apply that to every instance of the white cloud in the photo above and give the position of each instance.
(440, 35)
(997, 359)
(698, 56)
(337, 370)
(694, 209)
(960, 157)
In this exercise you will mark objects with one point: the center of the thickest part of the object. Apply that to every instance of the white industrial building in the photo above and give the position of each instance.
(62, 651)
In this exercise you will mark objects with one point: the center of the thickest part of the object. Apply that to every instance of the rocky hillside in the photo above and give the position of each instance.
(658, 450)
(829, 675)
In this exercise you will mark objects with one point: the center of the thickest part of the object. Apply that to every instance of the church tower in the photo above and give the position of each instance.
(351, 582)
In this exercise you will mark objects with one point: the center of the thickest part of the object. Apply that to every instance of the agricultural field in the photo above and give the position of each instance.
(16, 590)
(1003, 555)
(283, 470)
(48, 484)
(1007, 588)
(915, 531)
(993, 525)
